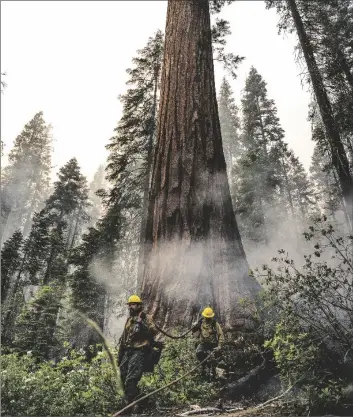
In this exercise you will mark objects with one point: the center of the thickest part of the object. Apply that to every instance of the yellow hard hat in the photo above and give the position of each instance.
(134, 299)
(208, 313)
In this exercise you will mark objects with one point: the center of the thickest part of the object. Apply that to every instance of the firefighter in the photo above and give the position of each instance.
(134, 344)
(210, 336)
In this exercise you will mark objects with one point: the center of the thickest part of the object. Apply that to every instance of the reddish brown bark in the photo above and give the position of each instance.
(194, 253)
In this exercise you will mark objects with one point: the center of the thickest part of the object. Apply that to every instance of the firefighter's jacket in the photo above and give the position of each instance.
(209, 331)
(139, 332)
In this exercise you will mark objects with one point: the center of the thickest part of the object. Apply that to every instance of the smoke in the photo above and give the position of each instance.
(282, 233)
(119, 278)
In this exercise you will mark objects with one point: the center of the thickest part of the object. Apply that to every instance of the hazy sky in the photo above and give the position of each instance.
(68, 59)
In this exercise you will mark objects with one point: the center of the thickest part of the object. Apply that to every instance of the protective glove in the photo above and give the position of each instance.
(195, 327)
(159, 345)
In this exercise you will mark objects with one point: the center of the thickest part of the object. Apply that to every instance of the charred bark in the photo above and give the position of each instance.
(339, 156)
(194, 254)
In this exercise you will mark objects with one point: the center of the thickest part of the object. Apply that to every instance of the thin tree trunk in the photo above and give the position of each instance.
(339, 157)
(146, 187)
(194, 254)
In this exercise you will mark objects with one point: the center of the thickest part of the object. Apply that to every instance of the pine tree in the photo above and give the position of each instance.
(36, 325)
(257, 173)
(87, 295)
(271, 188)
(130, 158)
(311, 22)
(327, 191)
(97, 184)
(34, 253)
(52, 237)
(10, 261)
(67, 210)
(230, 125)
(25, 180)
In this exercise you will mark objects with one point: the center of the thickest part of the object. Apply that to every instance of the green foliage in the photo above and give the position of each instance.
(10, 261)
(87, 296)
(313, 306)
(25, 180)
(327, 191)
(304, 361)
(269, 183)
(73, 386)
(36, 325)
(177, 358)
(327, 24)
(230, 124)
(129, 148)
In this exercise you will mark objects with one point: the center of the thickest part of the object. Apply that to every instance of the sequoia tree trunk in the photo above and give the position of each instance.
(194, 254)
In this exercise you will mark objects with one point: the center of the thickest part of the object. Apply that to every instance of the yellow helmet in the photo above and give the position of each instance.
(208, 313)
(134, 299)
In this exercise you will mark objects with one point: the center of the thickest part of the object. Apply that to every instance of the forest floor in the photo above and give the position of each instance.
(230, 410)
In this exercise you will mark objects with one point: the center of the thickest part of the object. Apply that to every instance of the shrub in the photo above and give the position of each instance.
(75, 387)
(313, 306)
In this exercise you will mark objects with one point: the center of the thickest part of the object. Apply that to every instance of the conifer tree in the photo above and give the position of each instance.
(87, 295)
(25, 180)
(321, 42)
(98, 183)
(270, 184)
(257, 175)
(36, 325)
(131, 149)
(46, 250)
(230, 125)
(10, 261)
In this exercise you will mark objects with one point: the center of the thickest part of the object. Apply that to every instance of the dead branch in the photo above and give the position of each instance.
(200, 411)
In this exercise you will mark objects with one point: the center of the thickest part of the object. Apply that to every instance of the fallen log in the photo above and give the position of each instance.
(245, 384)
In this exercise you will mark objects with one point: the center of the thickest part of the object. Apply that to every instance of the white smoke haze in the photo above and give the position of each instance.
(182, 268)
(119, 281)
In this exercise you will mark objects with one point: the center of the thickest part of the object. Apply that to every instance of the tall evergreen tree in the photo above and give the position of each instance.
(36, 325)
(52, 237)
(87, 295)
(131, 149)
(327, 192)
(311, 20)
(230, 124)
(25, 180)
(10, 261)
(270, 184)
(97, 184)
(257, 175)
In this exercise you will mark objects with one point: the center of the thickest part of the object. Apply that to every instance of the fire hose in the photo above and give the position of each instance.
(118, 413)
(171, 336)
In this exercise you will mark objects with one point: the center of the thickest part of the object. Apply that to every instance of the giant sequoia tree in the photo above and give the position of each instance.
(194, 253)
